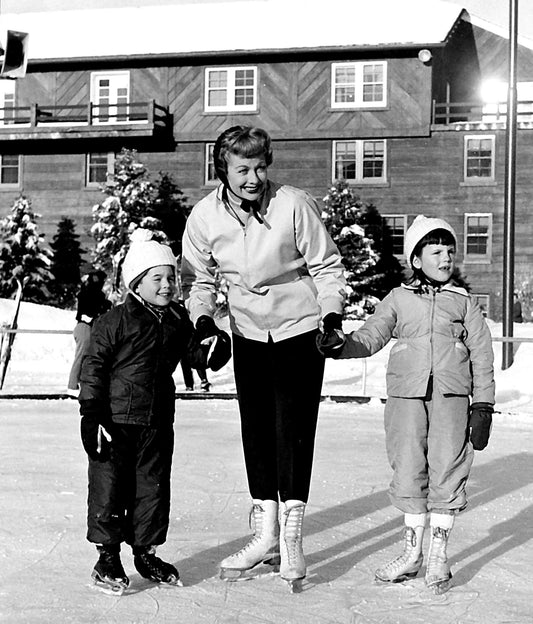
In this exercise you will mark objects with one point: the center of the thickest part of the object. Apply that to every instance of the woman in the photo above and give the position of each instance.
(284, 275)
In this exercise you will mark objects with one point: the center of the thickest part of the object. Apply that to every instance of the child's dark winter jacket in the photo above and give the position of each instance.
(441, 332)
(127, 371)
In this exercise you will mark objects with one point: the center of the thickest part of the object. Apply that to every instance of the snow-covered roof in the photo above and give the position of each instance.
(206, 26)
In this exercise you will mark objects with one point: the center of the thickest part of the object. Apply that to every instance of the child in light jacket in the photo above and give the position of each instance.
(442, 358)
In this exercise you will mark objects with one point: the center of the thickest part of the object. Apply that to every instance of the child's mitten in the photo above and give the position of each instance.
(480, 424)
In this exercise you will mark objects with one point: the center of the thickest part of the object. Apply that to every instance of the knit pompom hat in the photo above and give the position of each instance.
(144, 254)
(419, 228)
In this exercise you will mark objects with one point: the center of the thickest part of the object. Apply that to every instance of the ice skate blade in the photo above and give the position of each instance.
(440, 586)
(112, 588)
(295, 585)
(262, 568)
(400, 579)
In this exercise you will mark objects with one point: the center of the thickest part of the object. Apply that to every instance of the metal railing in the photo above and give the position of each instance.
(448, 113)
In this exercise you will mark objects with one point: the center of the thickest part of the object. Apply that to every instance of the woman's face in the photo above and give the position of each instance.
(247, 177)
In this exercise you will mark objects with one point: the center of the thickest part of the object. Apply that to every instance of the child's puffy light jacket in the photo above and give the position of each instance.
(440, 332)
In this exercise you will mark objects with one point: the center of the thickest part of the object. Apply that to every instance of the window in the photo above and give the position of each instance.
(479, 158)
(359, 85)
(9, 169)
(478, 237)
(110, 96)
(230, 89)
(99, 166)
(484, 303)
(210, 176)
(360, 161)
(394, 232)
(7, 101)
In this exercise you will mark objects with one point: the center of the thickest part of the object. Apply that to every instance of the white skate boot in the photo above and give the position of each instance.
(407, 565)
(438, 572)
(293, 568)
(262, 548)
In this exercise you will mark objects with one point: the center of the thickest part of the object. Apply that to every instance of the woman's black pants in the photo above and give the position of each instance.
(278, 387)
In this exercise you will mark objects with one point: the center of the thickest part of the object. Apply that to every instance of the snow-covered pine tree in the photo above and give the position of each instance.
(345, 217)
(66, 262)
(171, 209)
(24, 258)
(130, 196)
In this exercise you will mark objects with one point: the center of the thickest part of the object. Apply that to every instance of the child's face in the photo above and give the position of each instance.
(158, 286)
(246, 176)
(436, 261)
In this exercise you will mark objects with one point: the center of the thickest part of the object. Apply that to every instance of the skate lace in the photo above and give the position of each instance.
(112, 565)
(255, 522)
(437, 550)
(403, 559)
(293, 519)
(154, 564)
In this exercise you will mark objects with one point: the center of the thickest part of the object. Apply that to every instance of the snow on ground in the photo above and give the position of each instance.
(350, 526)
(41, 363)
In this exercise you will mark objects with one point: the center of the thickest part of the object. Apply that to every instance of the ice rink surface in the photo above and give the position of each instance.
(350, 528)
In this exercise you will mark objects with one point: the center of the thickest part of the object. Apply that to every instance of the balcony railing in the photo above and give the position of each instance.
(450, 113)
(38, 119)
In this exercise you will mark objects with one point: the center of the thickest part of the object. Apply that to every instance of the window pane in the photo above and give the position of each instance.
(9, 169)
(373, 83)
(217, 98)
(479, 158)
(477, 235)
(218, 79)
(394, 233)
(97, 170)
(345, 160)
(373, 158)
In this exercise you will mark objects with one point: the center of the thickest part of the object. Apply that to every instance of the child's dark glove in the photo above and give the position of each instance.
(480, 424)
(210, 347)
(332, 338)
(96, 428)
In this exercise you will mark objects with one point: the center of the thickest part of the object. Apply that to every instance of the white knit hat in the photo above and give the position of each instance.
(419, 228)
(144, 255)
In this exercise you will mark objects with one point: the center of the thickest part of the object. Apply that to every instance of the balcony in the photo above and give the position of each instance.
(479, 115)
(84, 121)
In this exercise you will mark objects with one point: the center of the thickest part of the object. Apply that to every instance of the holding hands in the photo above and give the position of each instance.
(210, 347)
(332, 338)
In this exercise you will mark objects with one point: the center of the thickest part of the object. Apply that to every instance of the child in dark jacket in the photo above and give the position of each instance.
(127, 405)
(443, 356)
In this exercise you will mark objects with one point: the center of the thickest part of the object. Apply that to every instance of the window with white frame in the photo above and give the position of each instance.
(9, 170)
(394, 232)
(478, 237)
(230, 89)
(99, 166)
(7, 101)
(484, 303)
(360, 161)
(359, 85)
(210, 176)
(479, 158)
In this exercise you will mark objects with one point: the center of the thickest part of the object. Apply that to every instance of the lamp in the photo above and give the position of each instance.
(425, 56)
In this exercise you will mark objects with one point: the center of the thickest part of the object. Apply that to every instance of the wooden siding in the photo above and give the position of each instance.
(294, 102)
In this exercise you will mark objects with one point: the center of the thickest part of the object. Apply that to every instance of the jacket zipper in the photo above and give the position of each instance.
(432, 318)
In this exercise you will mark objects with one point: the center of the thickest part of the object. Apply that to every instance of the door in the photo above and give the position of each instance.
(110, 96)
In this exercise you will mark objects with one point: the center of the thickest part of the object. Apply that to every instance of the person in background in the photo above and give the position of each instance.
(285, 276)
(127, 404)
(92, 303)
(517, 310)
(188, 378)
(443, 356)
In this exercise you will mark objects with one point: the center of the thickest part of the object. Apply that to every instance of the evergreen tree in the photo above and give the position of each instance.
(23, 257)
(66, 262)
(346, 218)
(130, 197)
(170, 208)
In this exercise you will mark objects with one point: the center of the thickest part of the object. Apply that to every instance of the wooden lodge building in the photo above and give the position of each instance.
(401, 99)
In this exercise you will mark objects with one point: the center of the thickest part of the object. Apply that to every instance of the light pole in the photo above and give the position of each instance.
(509, 204)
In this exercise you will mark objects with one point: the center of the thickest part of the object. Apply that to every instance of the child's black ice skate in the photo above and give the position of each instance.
(153, 568)
(108, 573)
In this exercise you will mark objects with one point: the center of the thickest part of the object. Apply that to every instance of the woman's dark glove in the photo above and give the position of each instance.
(96, 430)
(332, 338)
(480, 424)
(210, 347)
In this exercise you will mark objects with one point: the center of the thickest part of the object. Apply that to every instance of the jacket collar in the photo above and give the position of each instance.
(449, 287)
